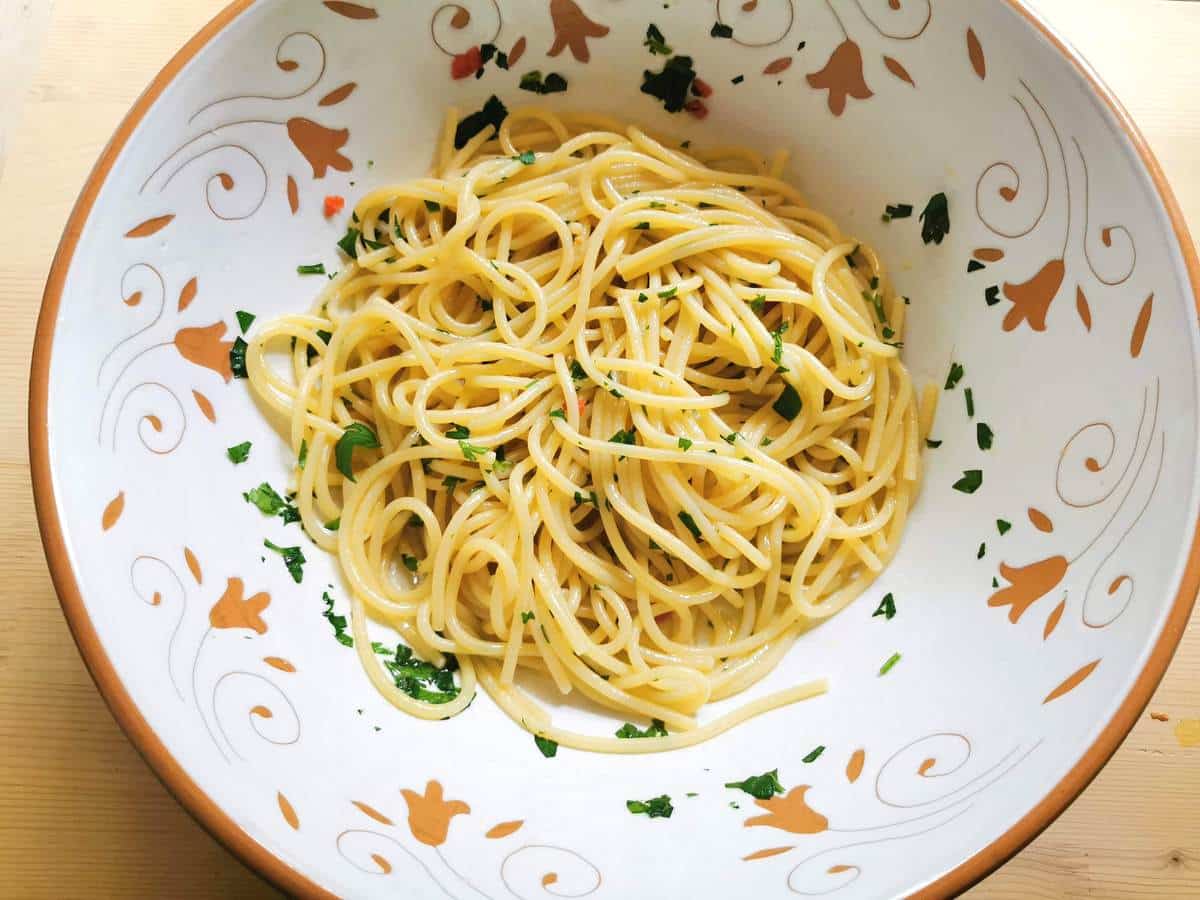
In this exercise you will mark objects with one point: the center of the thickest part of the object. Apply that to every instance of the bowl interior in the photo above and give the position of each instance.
(1027, 610)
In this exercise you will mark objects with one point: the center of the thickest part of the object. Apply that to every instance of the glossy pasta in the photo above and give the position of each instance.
(641, 415)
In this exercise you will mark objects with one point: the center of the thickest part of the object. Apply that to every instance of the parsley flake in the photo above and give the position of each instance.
(239, 453)
(935, 219)
(548, 747)
(970, 481)
(356, 435)
(293, 558)
(761, 787)
(886, 608)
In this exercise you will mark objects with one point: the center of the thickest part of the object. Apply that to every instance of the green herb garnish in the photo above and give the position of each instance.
(759, 304)
(458, 432)
(553, 83)
(239, 453)
(991, 295)
(338, 622)
(269, 503)
(956, 374)
(761, 787)
(629, 730)
(293, 558)
(356, 435)
(891, 661)
(656, 808)
(245, 320)
(311, 269)
(527, 617)
(935, 219)
(433, 206)
(548, 747)
(788, 404)
(814, 754)
(720, 30)
(492, 115)
(410, 562)
(624, 437)
(471, 452)
(526, 158)
(334, 524)
(690, 524)
(897, 211)
(932, 444)
(237, 358)
(970, 481)
(1002, 526)
(979, 554)
(349, 242)
(685, 444)
(558, 414)
(655, 41)
(983, 436)
(672, 84)
(668, 293)
(886, 608)
(970, 398)
(450, 482)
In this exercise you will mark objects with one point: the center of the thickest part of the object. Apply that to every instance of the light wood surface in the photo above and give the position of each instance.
(81, 814)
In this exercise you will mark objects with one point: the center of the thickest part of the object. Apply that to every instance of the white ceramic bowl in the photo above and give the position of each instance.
(1023, 663)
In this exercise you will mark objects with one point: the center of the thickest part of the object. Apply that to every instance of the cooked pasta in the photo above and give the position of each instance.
(596, 410)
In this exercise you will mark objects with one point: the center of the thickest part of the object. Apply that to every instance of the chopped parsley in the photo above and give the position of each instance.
(788, 404)
(935, 219)
(1003, 526)
(655, 42)
(334, 524)
(433, 206)
(338, 622)
(891, 662)
(245, 320)
(737, 79)
(668, 293)
(269, 503)
(553, 83)
(897, 211)
(577, 371)
(458, 432)
(450, 482)
(624, 437)
(527, 617)
(672, 84)
(970, 398)
(979, 554)
(312, 352)
(690, 524)
(491, 115)
(656, 808)
(470, 451)
(995, 583)
(558, 414)
(886, 608)
(302, 459)
(293, 558)
(685, 443)
(991, 296)
(641, 297)
(970, 481)
(237, 358)
(642, 226)
(777, 348)
(814, 754)
(762, 787)
(974, 265)
(410, 562)
(418, 678)
(759, 304)
(983, 436)
(356, 435)
(526, 158)
(548, 747)
(311, 269)
(239, 453)
(932, 444)
(349, 242)
(629, 730)
(720, 30)
(956, 374)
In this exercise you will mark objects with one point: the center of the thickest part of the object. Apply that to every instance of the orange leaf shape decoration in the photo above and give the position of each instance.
(572, 29)
(113, 511)
(1040, 520)
(1138, 338)
(775, 66)
(232, 611)
(193, 565)
(1028, 584)
(975, 54)
(894, 66)
(842, 77)
(1082, 307)
(790, 813)
(855, 766)
(319, 145)
(293, 195)
(351, 10)
(1031, 299)
(288, 811)
(517, 51)
(429, 815)
(1074, 680)
(504, 829)
(149, 227)
(337, 95)
(204, 347)
(205, 405)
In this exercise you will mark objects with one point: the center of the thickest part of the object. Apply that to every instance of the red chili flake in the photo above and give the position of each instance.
(334, 205)
(697, 108)
(582, 404)
(701, 88)
(466, 64)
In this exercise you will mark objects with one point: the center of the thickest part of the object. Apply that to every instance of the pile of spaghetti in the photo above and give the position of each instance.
(595, 410)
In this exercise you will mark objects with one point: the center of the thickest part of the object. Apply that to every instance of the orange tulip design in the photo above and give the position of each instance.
(204, 347)
(572, 29)
(429, 815)
(1031, 300)
(1028, 584)
(842, 77)
(320, 145)
(232, 611)
(790, 812)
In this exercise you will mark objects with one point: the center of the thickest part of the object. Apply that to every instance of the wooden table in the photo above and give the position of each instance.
(81, 814)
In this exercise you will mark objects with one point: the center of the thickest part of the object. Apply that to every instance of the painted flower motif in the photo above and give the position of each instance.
(1028, 584)
(234, 611)
(790, 812)
(320, 145)
(842, 77)
(429, 815)
(204, 347)
(572, 29)
(1031, 299)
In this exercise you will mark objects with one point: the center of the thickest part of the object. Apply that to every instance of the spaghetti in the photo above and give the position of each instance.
(638, 413)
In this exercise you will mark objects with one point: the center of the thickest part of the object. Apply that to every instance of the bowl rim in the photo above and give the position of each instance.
(254, 854)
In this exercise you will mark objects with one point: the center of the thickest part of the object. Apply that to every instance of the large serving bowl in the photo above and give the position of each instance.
(1065, 289)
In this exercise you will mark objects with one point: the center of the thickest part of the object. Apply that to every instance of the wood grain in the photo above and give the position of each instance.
(79, 811)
